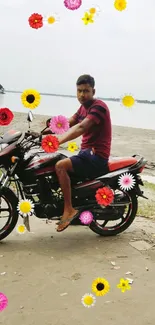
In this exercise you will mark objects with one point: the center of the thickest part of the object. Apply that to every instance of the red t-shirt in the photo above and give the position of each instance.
(99, 136)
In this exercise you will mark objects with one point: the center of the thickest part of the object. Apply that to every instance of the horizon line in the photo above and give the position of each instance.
(73, 96)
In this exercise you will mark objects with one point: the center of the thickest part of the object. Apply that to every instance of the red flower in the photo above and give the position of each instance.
(6, 116)
(50, 143)
(104, 196)
(36, 21)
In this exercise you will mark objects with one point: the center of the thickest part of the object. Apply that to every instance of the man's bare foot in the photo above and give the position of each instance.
(66, 220)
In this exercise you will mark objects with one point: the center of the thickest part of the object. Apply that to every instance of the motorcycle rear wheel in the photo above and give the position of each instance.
(107, 231)
(10, 198)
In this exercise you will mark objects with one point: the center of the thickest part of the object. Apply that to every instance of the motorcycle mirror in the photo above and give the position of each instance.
(30, 117)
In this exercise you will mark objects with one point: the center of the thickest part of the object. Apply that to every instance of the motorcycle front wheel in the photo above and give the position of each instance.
(8, 212)
(106, 227)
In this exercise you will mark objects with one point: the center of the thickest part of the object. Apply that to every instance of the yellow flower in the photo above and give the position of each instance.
(88, 18)
(72, 146)
(120, 5)
(25, 207)
(124, 285)
(88, 300)
(30, 98)
(21, 229)
(128, 101)
(100, 286)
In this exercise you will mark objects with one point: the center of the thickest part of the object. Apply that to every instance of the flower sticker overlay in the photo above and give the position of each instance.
(72, 146)
(36, 21)
(3, 301)
(100, 286)
(6, 116)
(30, 98)
(120, 5)
(94, 10)
(72, 4)
(128, 101)
(51, 19)
(21, 229)
(88, 300)
(123, 285)
(104, 196)
(59, 124)
(86, 217)
(126, 181)
(25, 208)
(88, 18)
(50, 143)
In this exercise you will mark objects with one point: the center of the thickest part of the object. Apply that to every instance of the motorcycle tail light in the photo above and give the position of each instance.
(14, 159)
(141, 169)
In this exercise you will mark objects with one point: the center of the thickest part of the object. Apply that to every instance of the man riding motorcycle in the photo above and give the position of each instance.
(93, 122)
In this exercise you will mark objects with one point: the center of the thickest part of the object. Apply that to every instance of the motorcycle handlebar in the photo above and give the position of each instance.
(31, 137)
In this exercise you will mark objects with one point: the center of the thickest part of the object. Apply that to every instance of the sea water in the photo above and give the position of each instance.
(139, 116)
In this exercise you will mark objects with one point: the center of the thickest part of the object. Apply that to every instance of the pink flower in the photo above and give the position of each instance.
(126, 181)
(59, 124)
(72, 4)
(3, 301)
(86, 217)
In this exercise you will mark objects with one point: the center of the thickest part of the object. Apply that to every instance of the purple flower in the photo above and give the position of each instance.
(72, 4)
(86, 217)
(3, 301)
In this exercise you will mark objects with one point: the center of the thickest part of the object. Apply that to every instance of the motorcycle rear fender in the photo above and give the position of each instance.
(113, 175)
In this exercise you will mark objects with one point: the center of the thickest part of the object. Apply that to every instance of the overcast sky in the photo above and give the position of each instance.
(118, 49)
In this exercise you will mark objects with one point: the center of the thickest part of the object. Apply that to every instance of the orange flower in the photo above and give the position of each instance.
(104, 196)
(50, 143)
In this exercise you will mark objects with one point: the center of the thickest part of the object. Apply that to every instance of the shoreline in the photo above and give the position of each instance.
(126, 141)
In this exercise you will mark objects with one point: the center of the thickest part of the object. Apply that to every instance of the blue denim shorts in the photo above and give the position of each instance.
(88, 165)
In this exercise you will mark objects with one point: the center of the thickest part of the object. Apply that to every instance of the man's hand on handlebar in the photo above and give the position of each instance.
(33, 134)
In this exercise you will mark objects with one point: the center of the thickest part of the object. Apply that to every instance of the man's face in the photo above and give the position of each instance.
(85, 93)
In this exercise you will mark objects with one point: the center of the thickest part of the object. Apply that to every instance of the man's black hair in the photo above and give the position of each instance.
(86, 79)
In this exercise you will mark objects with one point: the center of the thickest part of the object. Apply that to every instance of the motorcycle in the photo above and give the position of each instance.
(32, 171)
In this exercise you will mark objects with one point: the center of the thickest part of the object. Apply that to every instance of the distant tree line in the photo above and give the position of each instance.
(141, 101)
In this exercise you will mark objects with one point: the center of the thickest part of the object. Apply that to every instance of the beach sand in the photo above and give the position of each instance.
(44, 274)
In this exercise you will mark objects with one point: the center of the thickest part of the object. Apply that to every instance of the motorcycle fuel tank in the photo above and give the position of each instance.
(43, 163)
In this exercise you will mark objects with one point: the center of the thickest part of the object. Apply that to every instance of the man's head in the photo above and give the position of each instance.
(85, 88)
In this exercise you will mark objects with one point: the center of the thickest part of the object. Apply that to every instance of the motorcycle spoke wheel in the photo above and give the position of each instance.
(5, 214)
(127, 215)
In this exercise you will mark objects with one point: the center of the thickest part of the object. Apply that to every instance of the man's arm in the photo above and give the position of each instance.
(73, 120)
(77, 130)
(95, 116)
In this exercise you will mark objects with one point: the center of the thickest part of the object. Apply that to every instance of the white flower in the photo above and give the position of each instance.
(94, 10)
(88, 300)
(126, 181)
(21, 229)
(51, 19)
(25, 208)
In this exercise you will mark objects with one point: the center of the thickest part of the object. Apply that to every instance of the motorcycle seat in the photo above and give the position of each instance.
(116, 164)
(10, 137)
